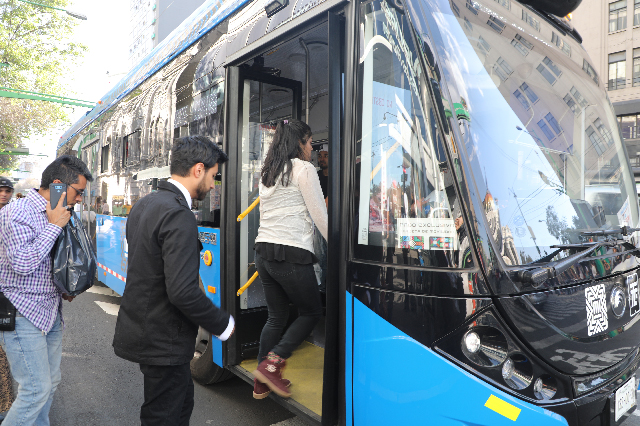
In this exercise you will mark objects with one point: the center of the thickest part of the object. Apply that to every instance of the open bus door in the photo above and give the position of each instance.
(248, 141)
(257, 96)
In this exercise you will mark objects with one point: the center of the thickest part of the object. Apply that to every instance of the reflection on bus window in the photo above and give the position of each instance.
(408, 211)
(549, 164)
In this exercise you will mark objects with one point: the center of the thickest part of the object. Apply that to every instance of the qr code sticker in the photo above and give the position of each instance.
(597, 320)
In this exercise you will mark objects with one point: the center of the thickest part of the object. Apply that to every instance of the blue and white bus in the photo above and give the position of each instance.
(477, 271)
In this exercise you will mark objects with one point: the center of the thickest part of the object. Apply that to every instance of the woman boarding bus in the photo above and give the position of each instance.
(475, 273)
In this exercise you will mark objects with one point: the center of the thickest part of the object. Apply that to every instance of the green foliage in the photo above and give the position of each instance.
(38, 44)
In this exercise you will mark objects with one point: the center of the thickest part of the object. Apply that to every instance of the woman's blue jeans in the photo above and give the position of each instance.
(285, 283)
(34, 359)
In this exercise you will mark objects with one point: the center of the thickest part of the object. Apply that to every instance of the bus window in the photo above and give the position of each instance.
(408, 211)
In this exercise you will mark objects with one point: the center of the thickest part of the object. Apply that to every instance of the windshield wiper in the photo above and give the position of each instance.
(537, 276)
(624, 230)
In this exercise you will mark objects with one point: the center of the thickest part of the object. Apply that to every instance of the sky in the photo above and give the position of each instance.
(106, 35)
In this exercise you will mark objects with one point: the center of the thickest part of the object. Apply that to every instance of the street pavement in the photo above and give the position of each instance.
(101, 389)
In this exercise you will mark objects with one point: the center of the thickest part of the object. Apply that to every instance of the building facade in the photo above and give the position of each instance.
(152, 21)
(611, 35)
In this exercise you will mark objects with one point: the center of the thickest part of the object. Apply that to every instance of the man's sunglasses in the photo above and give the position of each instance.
(80, 192)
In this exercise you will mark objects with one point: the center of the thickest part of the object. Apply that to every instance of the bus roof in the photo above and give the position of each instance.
(201, 21)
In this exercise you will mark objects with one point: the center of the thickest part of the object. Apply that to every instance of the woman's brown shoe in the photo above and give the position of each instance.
(261, 391)
(269, 372)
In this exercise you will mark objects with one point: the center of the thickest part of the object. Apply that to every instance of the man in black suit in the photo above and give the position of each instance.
(163, 305)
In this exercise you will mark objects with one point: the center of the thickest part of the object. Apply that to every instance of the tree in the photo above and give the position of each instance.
(37, 44)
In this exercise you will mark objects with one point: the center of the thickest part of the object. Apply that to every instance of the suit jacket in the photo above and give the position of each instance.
(163, 305)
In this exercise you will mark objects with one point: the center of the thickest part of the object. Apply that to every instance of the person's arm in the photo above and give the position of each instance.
(313, 198)
(178, 237)
(25, 249)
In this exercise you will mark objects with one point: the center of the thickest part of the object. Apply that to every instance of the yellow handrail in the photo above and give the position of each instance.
(248, 210)
(246, 286)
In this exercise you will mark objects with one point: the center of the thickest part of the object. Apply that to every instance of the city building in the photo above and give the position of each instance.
(152, 21)
(611, 35)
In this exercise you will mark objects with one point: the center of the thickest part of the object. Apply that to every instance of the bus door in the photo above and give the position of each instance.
(298, 78)
(256, 101)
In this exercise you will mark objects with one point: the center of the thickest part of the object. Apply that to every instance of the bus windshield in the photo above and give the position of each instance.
(537, 128)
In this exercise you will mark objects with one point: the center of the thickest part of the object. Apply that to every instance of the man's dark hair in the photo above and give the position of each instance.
(191, 150)
(67, 168)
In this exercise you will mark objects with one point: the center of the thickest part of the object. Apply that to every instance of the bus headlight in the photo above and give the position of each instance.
(517, 372)
(472, 342)
(485, 346)
(545, 387)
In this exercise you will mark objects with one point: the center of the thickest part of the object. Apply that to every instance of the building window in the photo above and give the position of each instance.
(636, 12)
(505, 3)
(502, 69)
(617, 15)
(104, 160)
(467, 24)
(604, 131)
(483, 46)
(578, 97)
(525, 96)
(571, 104)
(575, 101)
(628, 126)
(553, 67)
(455, 8)
(472, 7)
(553, 123)
(549, 126)
(546, 130)
(586, 67)
(529, 19)
(595, 140)
(617, 76)
(546, 74)
(496, 24)
(636, 67)
(523, 100)
(529, 92)
(521, 45)
(562, 45)
(125, 151)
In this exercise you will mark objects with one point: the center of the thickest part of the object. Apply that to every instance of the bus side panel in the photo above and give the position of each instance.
(348, 360)
(112, 251)
(210, 276)
(397, 380)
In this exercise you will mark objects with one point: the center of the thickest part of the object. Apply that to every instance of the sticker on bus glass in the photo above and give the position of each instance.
(596, 301)
(426, 234)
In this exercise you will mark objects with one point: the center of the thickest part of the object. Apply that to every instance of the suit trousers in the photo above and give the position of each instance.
(168, 395)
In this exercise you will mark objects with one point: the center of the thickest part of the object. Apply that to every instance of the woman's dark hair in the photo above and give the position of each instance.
(285, 146)
(191, 150)
(67, 168)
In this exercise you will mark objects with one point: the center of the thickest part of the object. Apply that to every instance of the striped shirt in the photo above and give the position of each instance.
(26, 240)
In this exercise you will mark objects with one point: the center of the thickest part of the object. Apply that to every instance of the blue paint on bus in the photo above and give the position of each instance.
(421, 387)
(210, 276)
(348, 360)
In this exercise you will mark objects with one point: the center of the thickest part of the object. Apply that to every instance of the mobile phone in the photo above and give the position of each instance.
(55, 192)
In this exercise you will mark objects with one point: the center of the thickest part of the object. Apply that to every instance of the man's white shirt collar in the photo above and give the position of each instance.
(182, 189)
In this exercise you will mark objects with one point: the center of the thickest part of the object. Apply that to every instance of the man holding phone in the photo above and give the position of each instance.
(28, 229)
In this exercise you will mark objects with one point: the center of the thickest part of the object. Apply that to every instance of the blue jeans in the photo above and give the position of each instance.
(285, 283)
(34, 359)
